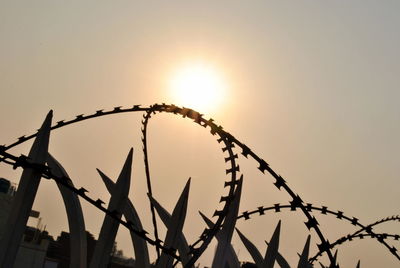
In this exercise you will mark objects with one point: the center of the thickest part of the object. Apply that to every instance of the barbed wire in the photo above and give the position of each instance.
(207, 234)
(368, 229)
(246, 215)
(229, 140)
(145, 121)
(24, 162)
(378, 236)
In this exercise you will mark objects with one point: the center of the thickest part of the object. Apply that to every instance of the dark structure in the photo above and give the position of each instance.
(4, 185)
(80, 249)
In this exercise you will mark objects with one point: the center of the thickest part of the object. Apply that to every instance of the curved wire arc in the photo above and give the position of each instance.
(246, 215)
(311, 223)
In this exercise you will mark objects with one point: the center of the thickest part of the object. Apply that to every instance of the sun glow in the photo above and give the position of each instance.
(198, 86)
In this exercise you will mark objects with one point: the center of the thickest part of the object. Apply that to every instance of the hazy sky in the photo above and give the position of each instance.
(311, 87)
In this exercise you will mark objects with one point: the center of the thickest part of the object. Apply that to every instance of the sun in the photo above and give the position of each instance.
(198, 86)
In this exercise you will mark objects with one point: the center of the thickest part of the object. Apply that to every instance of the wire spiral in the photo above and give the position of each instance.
(230, 143)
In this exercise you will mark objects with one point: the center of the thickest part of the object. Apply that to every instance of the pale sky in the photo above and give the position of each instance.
(311, 87)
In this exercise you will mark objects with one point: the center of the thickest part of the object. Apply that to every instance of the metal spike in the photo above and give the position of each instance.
(25, 196)
(261, 210)
(245, 151)
(263, 166)
(311, 223)
(277, 207)
(339, 215)
(230, 158)
(82, 191)
(231, 170)
(99, 202)
(324, 210)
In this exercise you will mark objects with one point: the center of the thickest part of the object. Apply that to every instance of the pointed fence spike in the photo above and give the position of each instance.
(335, 257)
(231, 257)
(272, 250)
(182, 245)
(252, 249)
(25, 196)
(139, 244)
(110, 226)
(175, 227)
(280, 259)
(303, 262)
(209, 223)
(227, 228)
(107, 181)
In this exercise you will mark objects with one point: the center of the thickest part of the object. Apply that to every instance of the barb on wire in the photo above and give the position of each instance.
(46, 173)
(230, 143)
(246, 215)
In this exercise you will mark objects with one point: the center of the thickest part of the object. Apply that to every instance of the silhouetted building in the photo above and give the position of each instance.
(7, 191)
(38, 249)
(59, 251)
(4, 185)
